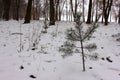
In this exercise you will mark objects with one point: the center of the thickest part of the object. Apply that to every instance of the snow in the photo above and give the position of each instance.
(46, 62)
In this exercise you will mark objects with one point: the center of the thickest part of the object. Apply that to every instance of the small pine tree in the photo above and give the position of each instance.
(67, 48)
(45, 27)
(78, 34)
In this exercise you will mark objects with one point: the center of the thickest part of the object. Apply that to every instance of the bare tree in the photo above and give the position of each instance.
(14, 11)
(106, 9)
(119, 14)
(28, 12)
(33, 10)
(61, 6)
(1, 9)
(83, 11)
(38, 5)
(57, 2)
(45, 9)
(36, 9)
(6, 4)
(96, 15)
(89, 12)
(74, 8)
(93, 10)
(52, 13)
(17, 8)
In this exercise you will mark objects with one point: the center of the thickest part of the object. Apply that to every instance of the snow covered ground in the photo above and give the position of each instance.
(46, 62)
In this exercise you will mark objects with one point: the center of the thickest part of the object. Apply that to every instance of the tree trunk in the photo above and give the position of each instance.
(96, 15)
(89, 12)
(119, 14)
(66, 11)
(92, 15)
(71, 4)
(28, 12)
(18, 7)
(59, 14)
(76, 5)
(83, 11)
(52, 13)
(106, 10)
(6, 4)
(106, 20)
(15, 6)
(82, 48)
(74, 9)
(83, 56)
(56, 9)
(33, 11)
(102, 18)
(1, 8)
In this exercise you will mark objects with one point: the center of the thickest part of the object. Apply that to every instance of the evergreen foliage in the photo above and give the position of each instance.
(67, 48)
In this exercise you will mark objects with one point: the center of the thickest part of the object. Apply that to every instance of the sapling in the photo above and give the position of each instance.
(45, 27)
(21, 46)
(34, 37)
(80, 35)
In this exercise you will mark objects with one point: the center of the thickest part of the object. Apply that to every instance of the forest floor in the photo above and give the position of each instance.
(45, 61)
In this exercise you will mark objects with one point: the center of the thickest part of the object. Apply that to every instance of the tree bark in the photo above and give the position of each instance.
(96, 15)
(71, 4)
(6, 4)
(18, 7)
(119, 14)
(1, 8)
(83, 11)
(52, 13)
(28, 12)
(89, 12)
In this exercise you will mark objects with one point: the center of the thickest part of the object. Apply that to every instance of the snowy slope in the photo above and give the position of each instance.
(46, 62)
